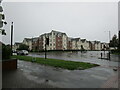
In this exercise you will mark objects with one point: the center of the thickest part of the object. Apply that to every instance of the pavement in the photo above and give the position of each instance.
(17, 79)
(112, 82)
(33, 75)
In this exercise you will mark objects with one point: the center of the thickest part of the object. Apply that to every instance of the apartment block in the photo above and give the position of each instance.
(69, 43)
(57, 40)
(76, 44)
(17, 45)
(60, 41)
(28, 42)
(35, 44)
(97, 45)
(40, 43)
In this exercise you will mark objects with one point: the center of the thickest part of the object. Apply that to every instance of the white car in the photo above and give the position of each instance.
(22, 52)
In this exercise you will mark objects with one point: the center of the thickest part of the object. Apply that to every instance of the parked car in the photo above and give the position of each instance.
(14, 51)
(22, 52)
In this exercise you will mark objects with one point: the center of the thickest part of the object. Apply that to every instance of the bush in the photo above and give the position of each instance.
(23, 47)
(115, 51)
(6, 52)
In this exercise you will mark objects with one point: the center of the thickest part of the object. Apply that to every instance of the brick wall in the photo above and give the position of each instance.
(69, 45)
(58, 42)
(9, 64)
(41, 43)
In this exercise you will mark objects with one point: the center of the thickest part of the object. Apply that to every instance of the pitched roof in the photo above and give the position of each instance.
(28, 39)
(83, 40)
(58, 32)
(97, 42)
(17, 43)
(75, 39)
(34, 39)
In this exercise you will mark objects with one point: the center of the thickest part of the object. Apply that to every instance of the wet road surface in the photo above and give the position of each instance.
(89, 56)
(33, 75)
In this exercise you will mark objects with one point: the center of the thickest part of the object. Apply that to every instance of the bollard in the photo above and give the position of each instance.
(109, 55)
(101, 55)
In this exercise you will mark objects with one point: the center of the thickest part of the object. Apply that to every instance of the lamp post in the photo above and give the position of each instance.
(109, 45)
(119, 40)
(46, 44)
(109, 37)
(11, 36)
(45, 47)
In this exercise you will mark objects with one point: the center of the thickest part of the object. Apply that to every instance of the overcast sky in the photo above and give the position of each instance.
(89, 20)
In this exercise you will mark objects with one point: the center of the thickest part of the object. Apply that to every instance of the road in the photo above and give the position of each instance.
(33, 75)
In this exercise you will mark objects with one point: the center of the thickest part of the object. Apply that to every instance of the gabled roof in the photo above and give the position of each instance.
(28, 39)
(83, 40)
(75, 39)
(64, 33)
(58, 32)
(34, 39)
(17, 43)
(97, 42)
(44, 34)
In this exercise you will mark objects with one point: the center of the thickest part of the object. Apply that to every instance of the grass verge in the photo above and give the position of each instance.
(116, 53)
(70, 65)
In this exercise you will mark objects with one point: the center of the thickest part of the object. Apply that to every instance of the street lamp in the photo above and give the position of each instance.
(109, 37)
(45, 47)
(109, 44)
(46, 43)
(11, 36)
(119, 40)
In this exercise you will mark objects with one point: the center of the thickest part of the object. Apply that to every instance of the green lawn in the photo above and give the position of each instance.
(116, 53)
(70, 65)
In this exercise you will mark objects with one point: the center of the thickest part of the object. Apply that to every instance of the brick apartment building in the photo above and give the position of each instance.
(60, 41)
(69, 44)
(40, 43)
(57, 41)
(35, 44)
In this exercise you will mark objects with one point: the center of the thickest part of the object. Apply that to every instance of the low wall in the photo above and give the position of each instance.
(9, 64)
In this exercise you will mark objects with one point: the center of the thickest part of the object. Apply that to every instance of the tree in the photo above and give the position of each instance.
(6, 51)
(2, 21)
(23, 47)
(114, 42)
